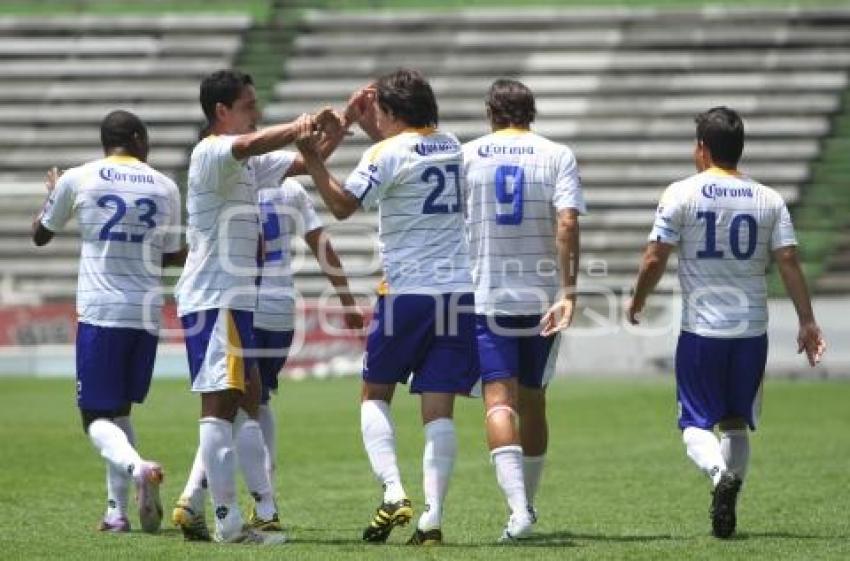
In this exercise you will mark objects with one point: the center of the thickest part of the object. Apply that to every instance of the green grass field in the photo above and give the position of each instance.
(617, 486)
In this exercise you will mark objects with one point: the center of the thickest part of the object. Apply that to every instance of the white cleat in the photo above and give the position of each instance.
(518, 527)
(148, 478)
(250, 536)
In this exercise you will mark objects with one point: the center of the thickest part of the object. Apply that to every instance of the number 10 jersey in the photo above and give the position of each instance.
(726, 226)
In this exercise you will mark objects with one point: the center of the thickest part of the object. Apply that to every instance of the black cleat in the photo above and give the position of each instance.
(388, 516)
(430, 537)
(723, 501)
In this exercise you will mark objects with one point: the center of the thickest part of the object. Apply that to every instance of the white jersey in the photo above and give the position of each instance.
(129, 215)
(416, 181)
(223, 226)
(726, 226)
(517, 181)
(284, 211)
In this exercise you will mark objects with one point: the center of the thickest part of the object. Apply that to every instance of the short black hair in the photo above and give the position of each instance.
(118, 128)
(222, 86)
(721, 130)
(511, 103)
(407, 95)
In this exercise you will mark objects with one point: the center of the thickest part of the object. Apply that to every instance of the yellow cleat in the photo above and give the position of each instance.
(388, 516)
(270, 525)
(192, 524)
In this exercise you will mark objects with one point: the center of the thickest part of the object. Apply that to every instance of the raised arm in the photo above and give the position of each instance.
(567, 241)
(268, 139)
(652, 268)
(341, 203)
(809, 339)
(40, 234)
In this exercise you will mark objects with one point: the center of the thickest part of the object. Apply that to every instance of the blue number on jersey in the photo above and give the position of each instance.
(271, 231)
(145, 218)
(514, 196)
(435, 173)
(711, 251)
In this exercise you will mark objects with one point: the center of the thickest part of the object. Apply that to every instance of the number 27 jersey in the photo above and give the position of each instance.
(415, 179)
(726, 226)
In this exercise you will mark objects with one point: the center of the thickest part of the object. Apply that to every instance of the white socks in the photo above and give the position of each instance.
(219, 461)
(508, 463)
(252, 459)
(735, 447)
(438, 461)
(379, 441)
(704, 449)
(532, 471)
(265, 416)
(114, 446)
(118, 481)
(196, 485)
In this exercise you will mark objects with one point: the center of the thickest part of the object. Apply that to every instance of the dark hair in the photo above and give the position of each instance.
(118, 128)
(721, 130)
(407, 95)
(511, 103)
(222, 86)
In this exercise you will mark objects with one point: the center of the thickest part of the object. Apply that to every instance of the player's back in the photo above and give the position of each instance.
(418, 188)
(516, 182)
(128, 215)
(285, 210)
(728, 225)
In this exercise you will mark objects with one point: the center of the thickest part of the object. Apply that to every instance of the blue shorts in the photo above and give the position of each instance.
(114, 366)
(512, 347)
(273, 349)
(422, 335)
(219, 344)
(718, 378)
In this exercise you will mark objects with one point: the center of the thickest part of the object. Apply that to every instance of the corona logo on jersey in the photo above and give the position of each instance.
(487, 150)
(426, 148)
(111, 174)
(712, 191)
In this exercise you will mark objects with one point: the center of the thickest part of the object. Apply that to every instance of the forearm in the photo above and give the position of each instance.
(332, 268)
(568, 244)
(798, 291)
(264, 140)
(651, 270)
(340, 203)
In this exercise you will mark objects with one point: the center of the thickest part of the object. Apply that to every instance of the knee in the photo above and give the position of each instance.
(500, 414)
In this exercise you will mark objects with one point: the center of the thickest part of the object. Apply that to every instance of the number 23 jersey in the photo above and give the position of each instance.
(726, 226)
(415, 179)
(129, 215)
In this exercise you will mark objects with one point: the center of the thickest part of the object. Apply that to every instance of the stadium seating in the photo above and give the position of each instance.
(621, 86)
(60, 76)
(618, 85)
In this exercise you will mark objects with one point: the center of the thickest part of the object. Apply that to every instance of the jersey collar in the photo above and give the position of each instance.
(424, 131)
(512, 131)
(714, 170)
(116, 159)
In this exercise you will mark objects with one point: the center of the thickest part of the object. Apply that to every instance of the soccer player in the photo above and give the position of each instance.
(284, 211)
(524, 199)
(129, 218)
(217, 294)
(423, 323)
(727, 226)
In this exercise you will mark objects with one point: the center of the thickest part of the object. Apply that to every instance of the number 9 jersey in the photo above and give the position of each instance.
(726, 225)
(415, 180)
(517, 181)
(129, 215)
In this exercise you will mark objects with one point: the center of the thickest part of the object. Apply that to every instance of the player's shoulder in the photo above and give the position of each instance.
(210, 144)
